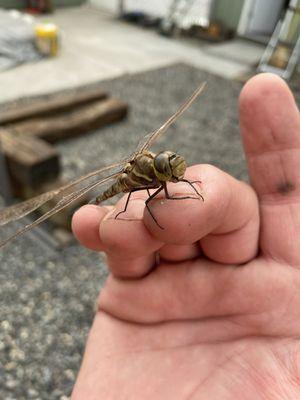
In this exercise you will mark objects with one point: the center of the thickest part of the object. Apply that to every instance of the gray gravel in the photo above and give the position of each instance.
(47, 300)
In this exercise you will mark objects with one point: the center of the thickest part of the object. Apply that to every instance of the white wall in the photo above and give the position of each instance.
(110, 5)
(259, 16)
(199, 11)
(153, 7)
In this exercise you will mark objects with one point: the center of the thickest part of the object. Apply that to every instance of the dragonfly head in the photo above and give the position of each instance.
(169, 166)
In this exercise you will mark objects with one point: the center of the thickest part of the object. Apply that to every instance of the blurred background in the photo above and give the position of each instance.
(81, 82)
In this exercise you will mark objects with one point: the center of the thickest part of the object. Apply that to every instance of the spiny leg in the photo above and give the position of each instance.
(151, 197)
(169, 197)
(164, 187)
(191, 183)
(126, 204)
(129, 195)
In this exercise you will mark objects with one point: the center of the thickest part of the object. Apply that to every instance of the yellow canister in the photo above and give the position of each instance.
(47, 39)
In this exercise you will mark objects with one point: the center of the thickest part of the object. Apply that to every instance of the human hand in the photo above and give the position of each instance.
(219, 316)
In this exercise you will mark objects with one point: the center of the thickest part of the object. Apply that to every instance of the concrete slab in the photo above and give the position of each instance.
(238, 50)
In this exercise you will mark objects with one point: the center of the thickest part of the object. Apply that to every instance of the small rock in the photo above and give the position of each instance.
(6, 326)
(69, 374)
(17, 354)
(67, 339)
(11, 383)
(32, 393)
(10, 366)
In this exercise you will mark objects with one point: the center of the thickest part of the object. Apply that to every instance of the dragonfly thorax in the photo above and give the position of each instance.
(169, 166)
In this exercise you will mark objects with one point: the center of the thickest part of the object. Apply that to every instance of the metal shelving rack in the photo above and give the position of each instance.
(283, 37)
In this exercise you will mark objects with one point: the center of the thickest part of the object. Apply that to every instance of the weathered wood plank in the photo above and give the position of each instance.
(79, 120)
(48, 104)
(30, 160)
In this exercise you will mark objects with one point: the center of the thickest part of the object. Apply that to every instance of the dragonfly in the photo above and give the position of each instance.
(143, 170)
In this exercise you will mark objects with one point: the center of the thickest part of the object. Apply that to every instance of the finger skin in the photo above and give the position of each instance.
(270, 126)
(177, 253)
(226, 223)
(224, 226)
(247, 295)
(129, 247)
(85, 226)
(258, 301)
(257, 289)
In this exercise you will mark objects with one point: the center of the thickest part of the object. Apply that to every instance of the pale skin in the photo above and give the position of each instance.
(217, 315)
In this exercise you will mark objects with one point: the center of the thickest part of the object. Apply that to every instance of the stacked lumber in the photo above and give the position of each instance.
(30, 160)
(46, 105)
(73, 122)
(29, 128)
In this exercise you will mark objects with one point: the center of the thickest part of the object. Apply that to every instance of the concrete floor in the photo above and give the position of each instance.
(96, 46)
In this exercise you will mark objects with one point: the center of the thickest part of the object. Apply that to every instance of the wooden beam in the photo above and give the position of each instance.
(48, 104)
(79, 120)
(30, 160)
(5, 186)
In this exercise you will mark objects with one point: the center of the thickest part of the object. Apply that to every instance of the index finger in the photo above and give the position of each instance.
(129, 247)
(225, 225)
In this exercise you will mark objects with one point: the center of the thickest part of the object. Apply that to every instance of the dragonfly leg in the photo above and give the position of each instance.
(126, 204)
(169, 197)
(129, 195)
(191, 183)
(151, 197)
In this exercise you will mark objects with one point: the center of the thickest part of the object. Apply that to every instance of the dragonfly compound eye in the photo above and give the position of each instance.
(162, 166)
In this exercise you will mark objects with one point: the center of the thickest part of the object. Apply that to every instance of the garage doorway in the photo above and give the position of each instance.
(259, 18)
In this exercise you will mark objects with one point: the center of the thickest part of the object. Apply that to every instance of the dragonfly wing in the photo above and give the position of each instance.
(20, 210)
(149, 139)
(64, 202)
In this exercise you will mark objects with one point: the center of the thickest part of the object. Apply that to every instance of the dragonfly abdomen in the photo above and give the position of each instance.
(113, 190)
(139, 174)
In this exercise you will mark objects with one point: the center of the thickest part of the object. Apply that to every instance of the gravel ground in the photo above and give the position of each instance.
(46, 299)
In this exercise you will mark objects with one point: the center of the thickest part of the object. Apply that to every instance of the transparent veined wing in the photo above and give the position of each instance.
(149, 139)
(62, 203)
(24, 208)
(61, 195)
